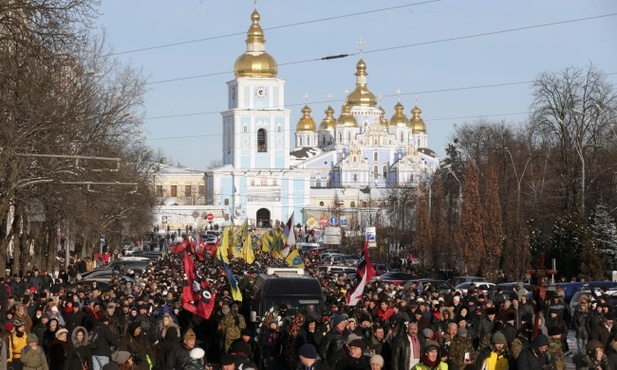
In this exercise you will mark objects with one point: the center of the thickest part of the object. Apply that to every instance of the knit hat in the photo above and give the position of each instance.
(593, 344)
(377, 359)
(337, 319)
(539, 341)
(120, 357)
(429, 345)
(189, 335)
(8, 326)
(351, 337)
(498, 337)
(227, 359)
(111, 366)
(32, 338)
(357, 343)
(133, 326)
(308, 351)
(554, 330)
(427, 333)
(241, 347)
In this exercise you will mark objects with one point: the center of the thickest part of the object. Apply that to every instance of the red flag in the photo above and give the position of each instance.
(196, 294)
(179, 247)
(366, 271)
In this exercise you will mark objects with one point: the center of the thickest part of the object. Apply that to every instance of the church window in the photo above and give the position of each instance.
(318, 182)
(418, 143)
(174, 191)
(385, 171)
(340, 137)
(352, 204)
(264, 181)
(376, 172)
(246, 129)
(355, 178)
(375, 156)
(278, 128)
(349, 137)
(323, 140)
(300, 141)
(402, 137)
(226, 201)
(262, 144)
(364, 204)
(321, 204)
(275, 182)
(354, 159)
(375, 141)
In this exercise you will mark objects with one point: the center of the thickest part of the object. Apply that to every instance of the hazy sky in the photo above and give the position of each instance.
(445, 52)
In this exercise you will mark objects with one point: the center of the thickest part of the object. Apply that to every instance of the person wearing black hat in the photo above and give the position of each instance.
(536, 356)
(332, 346)
(309, 359)
(355, 359)
(430, 359)
(605, 330)
(494, 357)
(555, 347)
(228, 362)
(139, 347)
(244, 356)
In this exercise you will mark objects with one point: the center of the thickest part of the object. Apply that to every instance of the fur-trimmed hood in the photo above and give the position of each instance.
(74, 340)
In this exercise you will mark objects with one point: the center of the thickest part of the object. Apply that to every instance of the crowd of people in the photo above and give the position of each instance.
(61, 324)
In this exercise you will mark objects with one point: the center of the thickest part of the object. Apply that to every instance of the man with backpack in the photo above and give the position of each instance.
(101, 341)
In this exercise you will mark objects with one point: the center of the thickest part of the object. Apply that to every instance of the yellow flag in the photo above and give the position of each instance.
(223, 249)
(247, 249)
(278, 244)
(239, 233)
(294, 259)
(266, 242)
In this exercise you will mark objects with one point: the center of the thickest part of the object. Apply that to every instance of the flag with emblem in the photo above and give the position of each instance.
(294, 259)
(366, 271)
(266, 242)
(197, 297)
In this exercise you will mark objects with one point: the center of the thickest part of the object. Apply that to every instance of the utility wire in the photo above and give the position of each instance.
(276, 27)
(450, 39)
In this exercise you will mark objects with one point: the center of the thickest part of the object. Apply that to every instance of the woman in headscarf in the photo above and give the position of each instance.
(49, 335)
(78, 355)
(58, 350)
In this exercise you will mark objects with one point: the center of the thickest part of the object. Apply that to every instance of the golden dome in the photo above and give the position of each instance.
(255, 62)
(346, 118)
(417, 123)
(399, 119)
(329, 121)
(306, 123)
(361, 96)
(384, 120)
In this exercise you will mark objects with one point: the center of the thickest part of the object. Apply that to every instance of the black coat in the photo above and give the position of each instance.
(529, 361)
(57, 353)
(332, 348)
(78, 352)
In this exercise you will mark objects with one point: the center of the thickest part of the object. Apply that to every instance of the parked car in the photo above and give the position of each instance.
(456, 280)
(380, 268)
(441, 285)
(482, 286)
(509, 288)
(395, 278)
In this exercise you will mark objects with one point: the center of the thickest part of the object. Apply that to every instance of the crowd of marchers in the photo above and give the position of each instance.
(61, 324)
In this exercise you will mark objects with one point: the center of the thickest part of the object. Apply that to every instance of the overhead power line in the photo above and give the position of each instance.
(423, 43)
(180, 43)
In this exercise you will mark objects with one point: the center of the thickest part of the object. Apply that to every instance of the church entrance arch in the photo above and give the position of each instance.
(263, 218)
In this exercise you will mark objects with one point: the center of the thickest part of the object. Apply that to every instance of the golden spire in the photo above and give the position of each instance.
(329, 121)
(255, 62)
(361, 96)
(384, 120)
(306, 122)
(416, 122)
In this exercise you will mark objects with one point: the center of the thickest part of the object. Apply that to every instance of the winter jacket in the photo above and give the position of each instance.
(34, 359)
(78, 352)
(582, 325)
(140, 349)
(401, 351)
(106, 340)
(17, 344)
(177, 356)
(57, 354)
(528, 360)
(332, 348)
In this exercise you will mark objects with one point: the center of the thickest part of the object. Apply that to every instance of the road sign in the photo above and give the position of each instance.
(333, 220)
(371, 237)
(332, 235)
(311, 222)
(323, 221)
(344, 221)
(210, 217)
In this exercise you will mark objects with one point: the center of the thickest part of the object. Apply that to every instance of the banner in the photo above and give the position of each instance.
(294, 259)
(196, 294)
(366, 271)
(290, 237)
(233, 283)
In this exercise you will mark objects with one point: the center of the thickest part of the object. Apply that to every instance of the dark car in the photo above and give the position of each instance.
(394, 277)
(441, 285)
(509, 288)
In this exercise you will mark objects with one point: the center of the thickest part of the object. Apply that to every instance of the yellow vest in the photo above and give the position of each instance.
(17, 344)
(421, 366)
(495, 362)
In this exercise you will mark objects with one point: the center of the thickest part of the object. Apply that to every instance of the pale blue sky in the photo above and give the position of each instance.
(191, 135)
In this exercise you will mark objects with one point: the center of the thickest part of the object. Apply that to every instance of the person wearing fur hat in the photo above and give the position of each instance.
(32, 356)
(58, 350)
(494, 357)
(355, 359)
(594, 359)
(139, 347)
(78, 356)
(180, 351)
(430, 358)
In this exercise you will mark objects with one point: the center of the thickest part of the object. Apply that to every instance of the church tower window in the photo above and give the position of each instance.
(352, 204)
(376, 172)
(262, 144)
(375, 156)
(246, 129)
(385, 171)
(300, 141)
(355, 178)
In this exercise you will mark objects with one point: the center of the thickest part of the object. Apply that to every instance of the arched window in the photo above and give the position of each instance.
(323, 140)
(262, 144)
(321, 204)
(364, 204)
(376, 172)
(385, 171)
(300, 141)
(375, 157)
(402, 137)
(419, 143)
(354, 158)
(340, 137)
(352, 204)
(318, 182)
(349, 137)
(278, 128)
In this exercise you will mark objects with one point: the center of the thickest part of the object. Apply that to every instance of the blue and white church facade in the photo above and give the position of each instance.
(265, 177)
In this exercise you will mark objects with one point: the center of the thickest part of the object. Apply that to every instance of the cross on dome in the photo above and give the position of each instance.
(361, 42)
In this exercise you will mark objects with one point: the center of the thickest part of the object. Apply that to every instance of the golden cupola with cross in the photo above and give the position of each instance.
(255, 62)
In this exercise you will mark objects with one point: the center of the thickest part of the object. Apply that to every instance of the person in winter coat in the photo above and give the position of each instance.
(195, 360)
(309, 358)
(430, 358)
(536, 356)
(333, 344)
(165, 346)
(78, 356)
(180, 351)
(582, 325)
(32, 356)
(58, 350)
(138, 346)
(5, 345)
(49, 335)
(101, 349)
(355, 359)
(21, 313)
(494, 357)
(19, 339)
(407, 348)
(594, 359)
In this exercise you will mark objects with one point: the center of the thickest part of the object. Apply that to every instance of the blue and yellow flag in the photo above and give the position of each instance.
(233, 283)
(247, 249)
(294, 259)
(266, 242)
(223, 249)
